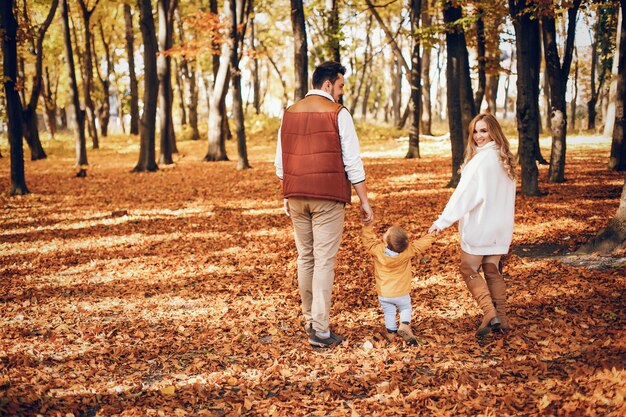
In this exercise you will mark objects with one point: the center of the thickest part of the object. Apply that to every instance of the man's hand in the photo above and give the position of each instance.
(286, 207)
(367, 215)
(434, 230)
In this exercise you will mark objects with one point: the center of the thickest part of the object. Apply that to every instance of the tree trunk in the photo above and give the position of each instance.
(396, 92)
(279, 74)
(130, 52)
(180, 89)
(216, 100)
(426, 119)
(613, 237)
(49, 104)
(167, 147)
(8, 24)
(527, 42)
(575, 94)
(30, 129)
(300, 49)
(491, 92)
(88, 81)
(617, 161)
(416, 86)
(333, 33)
(238, 15)
(79, 131)
(104, 111)
(189, 73)
(454, 75)
(147, 130)
(557, 77)
(610, 110)
(481, 58)
(256, 82)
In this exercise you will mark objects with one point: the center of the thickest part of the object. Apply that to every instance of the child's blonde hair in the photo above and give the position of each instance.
(397, 239)
(495, 132)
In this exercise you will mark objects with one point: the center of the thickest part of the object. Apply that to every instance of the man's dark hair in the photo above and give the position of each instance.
(328, 70)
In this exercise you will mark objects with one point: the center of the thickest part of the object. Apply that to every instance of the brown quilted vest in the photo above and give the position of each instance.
(312, 161)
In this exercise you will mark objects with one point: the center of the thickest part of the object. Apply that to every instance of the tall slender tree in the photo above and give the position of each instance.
(558, 75)
(218, 123)
(617, 161)
(30, 129)
(460, 98)
(8, 25)
(147, 130)
(527, 47)
(239, 13)
(90, 108)
(165, 14)
(79, 115)
(104, 109)
(130, 52)
(301, 57)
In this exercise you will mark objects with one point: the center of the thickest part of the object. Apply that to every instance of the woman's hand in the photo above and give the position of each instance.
(286, 207)
(434, 230)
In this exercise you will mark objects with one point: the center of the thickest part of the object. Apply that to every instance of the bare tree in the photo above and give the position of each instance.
(147, 130)
(301, 60)
(8, 24)
(79, 115)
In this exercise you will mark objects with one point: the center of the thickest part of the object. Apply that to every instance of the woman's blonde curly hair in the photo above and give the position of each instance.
(502, 143)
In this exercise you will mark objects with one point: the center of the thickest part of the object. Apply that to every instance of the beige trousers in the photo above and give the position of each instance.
(318, 226)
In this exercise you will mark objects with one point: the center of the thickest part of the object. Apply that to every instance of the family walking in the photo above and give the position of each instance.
(318, 162)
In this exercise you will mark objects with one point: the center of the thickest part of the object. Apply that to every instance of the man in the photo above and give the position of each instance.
(317, 160)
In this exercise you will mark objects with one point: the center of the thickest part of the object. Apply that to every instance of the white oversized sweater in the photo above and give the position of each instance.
(484, 204)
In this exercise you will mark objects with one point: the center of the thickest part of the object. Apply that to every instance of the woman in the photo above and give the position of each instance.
(484, 204)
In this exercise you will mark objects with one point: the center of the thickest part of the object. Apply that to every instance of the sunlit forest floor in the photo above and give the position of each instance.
(174, 293)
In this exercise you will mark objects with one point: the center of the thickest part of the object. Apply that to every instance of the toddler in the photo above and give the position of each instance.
(392, 269)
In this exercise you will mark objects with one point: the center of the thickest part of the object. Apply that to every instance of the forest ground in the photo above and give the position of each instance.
(174, 293)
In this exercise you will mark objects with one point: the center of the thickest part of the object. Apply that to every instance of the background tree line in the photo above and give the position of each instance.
(415, 64)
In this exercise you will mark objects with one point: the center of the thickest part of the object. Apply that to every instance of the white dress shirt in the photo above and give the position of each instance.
(349, 145)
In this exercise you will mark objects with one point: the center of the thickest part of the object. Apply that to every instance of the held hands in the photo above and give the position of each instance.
(286, 207)
(434, 230)
(367, 215)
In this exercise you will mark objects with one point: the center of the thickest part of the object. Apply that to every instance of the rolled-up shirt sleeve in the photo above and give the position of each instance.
(350, 147)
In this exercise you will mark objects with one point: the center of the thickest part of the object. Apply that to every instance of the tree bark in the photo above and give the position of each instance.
(416, 86)
(189, 74)
(301, 65)
(610, 105)
(454, 101)
(557, 77)
(49, 103)
(617, 161)
(167, 146)
(104, 110)
(147, 129)
(88, 68)
(238, 16)
(481, 58)
(8, 24)
(426, 119)
(527, 43)
(29, 116)
(256, 82)
(130, 52)
(79, 131)
(180, 89)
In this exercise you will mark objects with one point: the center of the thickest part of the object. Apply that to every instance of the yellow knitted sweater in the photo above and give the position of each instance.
(393, 273)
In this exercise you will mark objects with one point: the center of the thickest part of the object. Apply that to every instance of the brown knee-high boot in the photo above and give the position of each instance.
(478, 287)
(497, 288)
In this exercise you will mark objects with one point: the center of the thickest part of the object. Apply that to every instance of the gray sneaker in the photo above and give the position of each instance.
(319, 342)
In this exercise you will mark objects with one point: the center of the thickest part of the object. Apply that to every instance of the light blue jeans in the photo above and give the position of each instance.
(389, 305)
